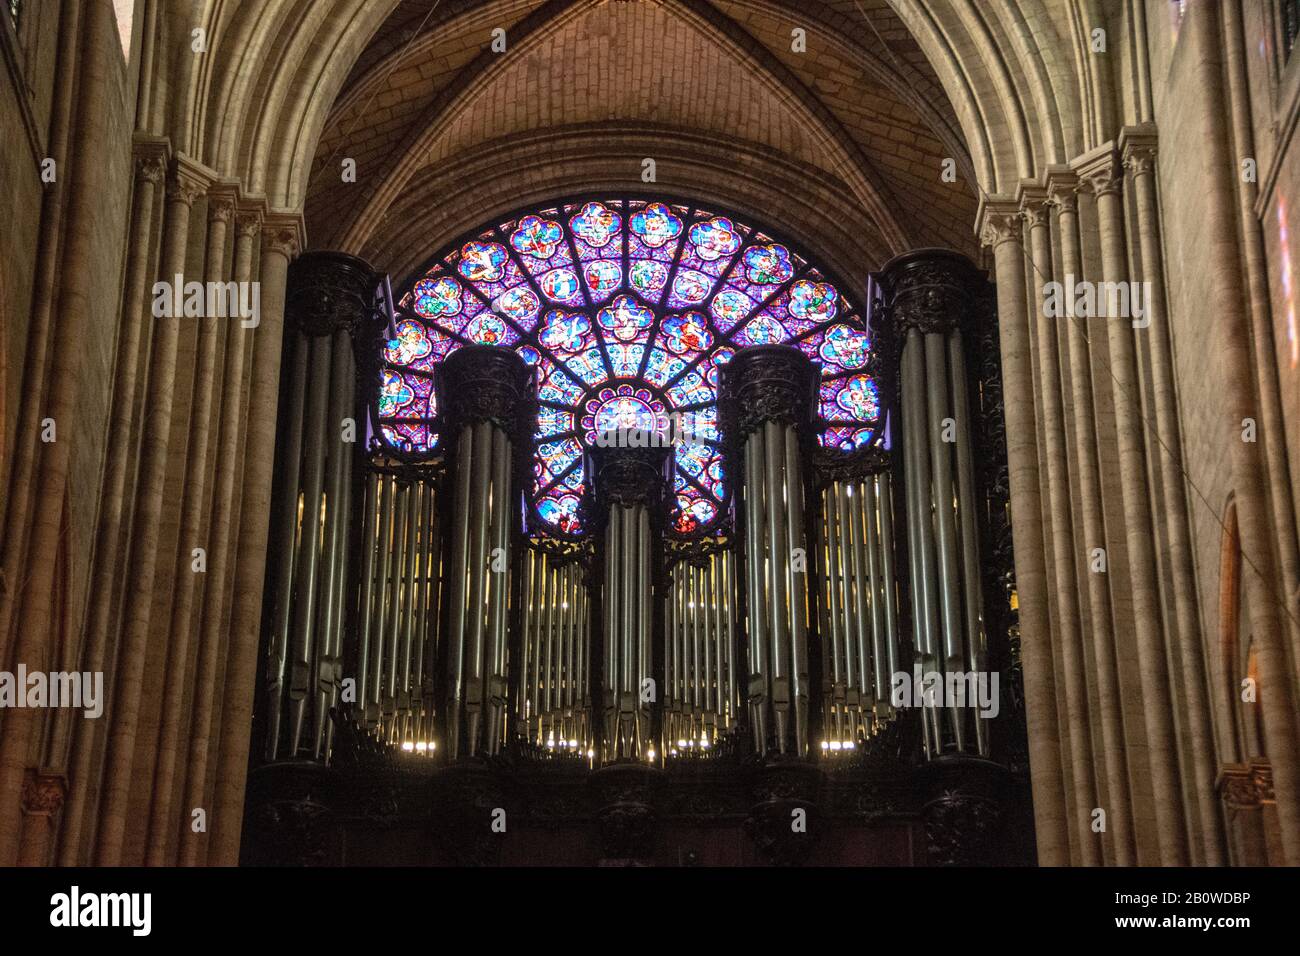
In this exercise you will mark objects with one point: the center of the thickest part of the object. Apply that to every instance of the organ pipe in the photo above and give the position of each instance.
(928, 296)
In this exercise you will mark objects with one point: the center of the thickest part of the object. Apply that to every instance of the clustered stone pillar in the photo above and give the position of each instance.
(143, 781)
(767, 398)
(630, 484)
(485, 393)
(928, 296)
(1107, 584)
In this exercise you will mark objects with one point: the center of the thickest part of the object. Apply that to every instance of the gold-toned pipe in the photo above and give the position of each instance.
(410, 595)
(831, 606)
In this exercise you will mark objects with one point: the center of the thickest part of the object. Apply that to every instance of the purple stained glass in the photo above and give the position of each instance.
(624, 311)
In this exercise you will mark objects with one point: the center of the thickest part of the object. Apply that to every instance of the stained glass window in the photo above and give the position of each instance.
(626, 309)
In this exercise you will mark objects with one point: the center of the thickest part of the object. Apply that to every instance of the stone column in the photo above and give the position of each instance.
(280, 243)
(1139, 150)
(1001, 229)
(183, 188)
(1092, 533)
(151, 169)
(1104, 176)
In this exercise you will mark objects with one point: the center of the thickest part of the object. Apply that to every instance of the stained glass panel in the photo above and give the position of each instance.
(625, 309)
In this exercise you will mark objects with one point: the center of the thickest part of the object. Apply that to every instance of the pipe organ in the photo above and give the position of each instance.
(415, 602)
(486, 391)
(701, 692)
(927, 297)
(858, 608)
(555, 653)
(630, 486)
(334, 300)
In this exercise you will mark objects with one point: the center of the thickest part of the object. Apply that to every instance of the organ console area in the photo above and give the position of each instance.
(449, 680)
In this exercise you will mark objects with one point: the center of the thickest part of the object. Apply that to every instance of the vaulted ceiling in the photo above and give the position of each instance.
(838, 134)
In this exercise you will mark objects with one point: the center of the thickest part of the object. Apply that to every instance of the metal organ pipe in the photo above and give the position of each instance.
(928, 296)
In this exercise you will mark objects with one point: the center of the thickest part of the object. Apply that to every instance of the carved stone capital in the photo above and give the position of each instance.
(282, 239)
(248, 225)
(1002, 225)
(930, 290)
(150, 168)
(767, 383)
(1103, 175)
(43, 793)
(221, 207)
(183, 188)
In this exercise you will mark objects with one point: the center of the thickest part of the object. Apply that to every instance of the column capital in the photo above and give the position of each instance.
(766, 383)
(1101, 171)
(283, 233)
(1000, 221)
(1138, 147)
(1035, 204)
(223, 198)
(248, 223)
(1063, 189)
(152, 154)
(43, 793)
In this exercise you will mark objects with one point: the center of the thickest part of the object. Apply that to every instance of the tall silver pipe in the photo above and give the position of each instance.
(497, 571)
(798, 588)
(387, 506)
(945, 520)
(411, 594)
(976, 645)
(756, 576)
(889, 582)
(423, 632)
(847, 603)
(460, 571)
(308, 585)
(717, 586)
(643, 619)
(733, 689)
(370, 544)
(920, 517)
(480, 483)
(613, 673)
(861, 574)
(548, 654)
(670, 652)
(526, 655)
(778, 568)
(287, 541)
(707, 638)
(393, 617)
(834, 576)
(323, 676)
(879, 656)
